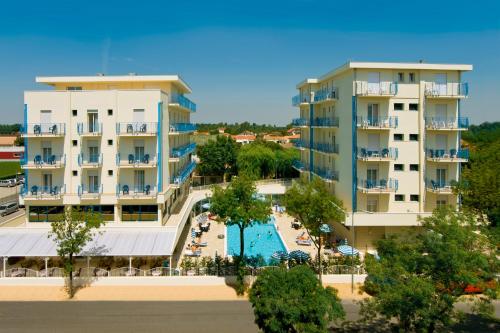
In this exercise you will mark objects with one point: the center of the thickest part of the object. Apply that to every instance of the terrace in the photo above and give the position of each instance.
(46, 162)
(137, 129)
(34, 130)
(446, 90)
(382, 154)
(184, 173)
(181, 101)
(444, 155)
(377, 122)
(182, 128)
(179, 152)
(378, 185)
(435, 123)
(381, 89)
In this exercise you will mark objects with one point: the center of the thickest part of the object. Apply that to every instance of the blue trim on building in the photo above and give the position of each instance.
(311, 140)
(160, 146)
(459, 199)
(354, 158)
(25, 157)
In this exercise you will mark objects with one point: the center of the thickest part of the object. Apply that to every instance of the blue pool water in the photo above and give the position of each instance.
(260, 240)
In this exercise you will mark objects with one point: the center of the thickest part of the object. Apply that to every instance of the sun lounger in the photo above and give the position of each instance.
(191, 253)
(306, 242)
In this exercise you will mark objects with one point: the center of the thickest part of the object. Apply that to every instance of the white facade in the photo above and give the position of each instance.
(386, 139)
(116, 144)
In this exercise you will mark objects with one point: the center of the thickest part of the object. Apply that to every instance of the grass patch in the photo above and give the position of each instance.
(9, 169)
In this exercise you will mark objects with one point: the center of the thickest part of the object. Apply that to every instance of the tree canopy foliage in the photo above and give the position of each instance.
(10, 128)
(420, 276)
(293, 301)
(238, 128)
(218, 157)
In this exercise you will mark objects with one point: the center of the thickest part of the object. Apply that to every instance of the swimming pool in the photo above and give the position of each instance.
(260, 240)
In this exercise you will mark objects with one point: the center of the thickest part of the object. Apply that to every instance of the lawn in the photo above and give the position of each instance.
(8, 169)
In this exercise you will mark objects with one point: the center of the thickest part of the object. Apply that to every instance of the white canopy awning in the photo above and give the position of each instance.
(34, 242)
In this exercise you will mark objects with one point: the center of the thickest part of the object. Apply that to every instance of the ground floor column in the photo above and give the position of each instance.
(118, 214)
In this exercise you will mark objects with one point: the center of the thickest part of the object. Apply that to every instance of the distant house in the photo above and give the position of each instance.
(221, 130)
(11, 153)
(244, 138)
(7, 140)
(284, 140)
(293, 131)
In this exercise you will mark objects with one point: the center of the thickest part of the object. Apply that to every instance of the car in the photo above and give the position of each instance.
(8, 182)
(8, 208)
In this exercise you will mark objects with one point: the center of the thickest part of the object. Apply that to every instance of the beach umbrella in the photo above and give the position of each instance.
(299, 255)
(193, 233)
(326, 228)
(347, 250)
(280, 255)
(206, 205)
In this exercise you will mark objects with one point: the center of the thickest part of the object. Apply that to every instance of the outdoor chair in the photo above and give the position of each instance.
(34, 190)
(147, 189)
(37, 129)
(131, 159)
(52, 159)
(53, 129)
(363, 152)
(145, 159)
(125, 190)
(431, 153)
(143, 128)
(453, 153)
(434, 185)
(385, 152)
(383, 183)
(38, 159)
(130, 128)
(54, 190)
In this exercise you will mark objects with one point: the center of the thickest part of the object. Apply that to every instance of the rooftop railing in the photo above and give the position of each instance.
(377, 122)
(365, 153)
(178, 152)
(183, 101)
(446, 123)
(365, 88)
(136, 128)
(182, 127)
(450, 89)
(447, 154)
(379, 185)
(184, 173)
(44, 129)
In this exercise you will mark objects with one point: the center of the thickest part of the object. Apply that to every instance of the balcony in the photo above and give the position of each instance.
(49, 162)
(184, 174)
(378, 186)
(125, 191)
(325, 95)
(134, 161)
(301, 99)
(89, 129)
(300, 144)
(439, 186)
(37, 192)
(377, 123)
(446, 90)
(181, 101)
(300, 122)
(182, 128)
(43, 130)
(327, 148)
(325, 173)
(179, 152)
(437, 124)
(298, 165)
(365, 88)
(443, 155)
(374, 155)
(90, 160)
(325, 122)
(137, 129)
(89, 192)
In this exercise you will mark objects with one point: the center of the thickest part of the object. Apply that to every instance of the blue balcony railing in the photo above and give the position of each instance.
(326, 173)
(447, 154)
(40, 161)
(182, 127)
(449, 89)
(89, 159)
(38, 191)
(447, 123)
(184, 173)
(184, 102)
(136, 128)
(377, 122)
(44, 129)
(326, 95)
(297, 164)
(300, 122)
(440, 185)
(123, 190)
(326, 147)
(382, 153)
(183, 150)
(326, 122)
(91, 190)
(301, 98)
(379, 184)
(300, 144)
(89, 128)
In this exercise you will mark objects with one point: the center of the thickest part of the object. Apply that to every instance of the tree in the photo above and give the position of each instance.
(71, 233)
(218, 157)
(420, 276)
(293, 301)
(313, 206)
(239, 205)
(256, 161)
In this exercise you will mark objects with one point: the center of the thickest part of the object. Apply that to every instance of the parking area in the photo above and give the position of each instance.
(11, 194)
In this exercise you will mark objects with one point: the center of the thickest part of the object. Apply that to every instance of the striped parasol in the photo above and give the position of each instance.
(347, 250)
(280, 255)
(299, 255)
(326, 228)
(193, 233)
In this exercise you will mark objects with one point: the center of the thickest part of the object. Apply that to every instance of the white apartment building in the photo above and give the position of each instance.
(385, 137)
(119, 145)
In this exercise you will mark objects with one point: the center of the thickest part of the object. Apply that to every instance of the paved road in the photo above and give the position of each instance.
(11, 216)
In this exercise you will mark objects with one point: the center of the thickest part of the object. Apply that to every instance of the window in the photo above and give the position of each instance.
(110, 142)
(107, 211)
(75, 112)
(75, 173)
(441, 203)
(413, 106)
(399, 197)
(399, 167)
(413, 137)
(74, 88)
(413, 167)
(401, 77)
(399, 106)
(110, 112)
(138, 213)
(414, 197)
(372, 205)
(110, 172)
(411, 77)
(75, 143)
(398, 137)
(45, 213)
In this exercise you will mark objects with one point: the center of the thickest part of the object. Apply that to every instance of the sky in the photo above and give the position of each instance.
(243, 59)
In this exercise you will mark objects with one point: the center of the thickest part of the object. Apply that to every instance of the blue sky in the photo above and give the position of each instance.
(243, 58)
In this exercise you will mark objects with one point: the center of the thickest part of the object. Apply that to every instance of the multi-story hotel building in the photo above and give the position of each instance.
(119, 145)
(385, 137)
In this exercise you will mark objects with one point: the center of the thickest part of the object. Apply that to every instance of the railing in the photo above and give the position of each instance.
(135, 191)
(178, 152)
(326, 173)
(89, 159)
(49, 129)
(447, 123)
(43, 192)
(136, 128)
(379, 185)
(89, 128)
(183, 101)
(326, 95)
(383, 153)
(300, 144)
(328, 148)
(85, 190)
(300, 122)
(52, 161)
(302, 98)
(366, 88)
(182, 127)
(443, 154)
(184, 173)
(298, 165)
(379, 122)
(451, 89)
(326, 122)
(440, 185)
(134, 160)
